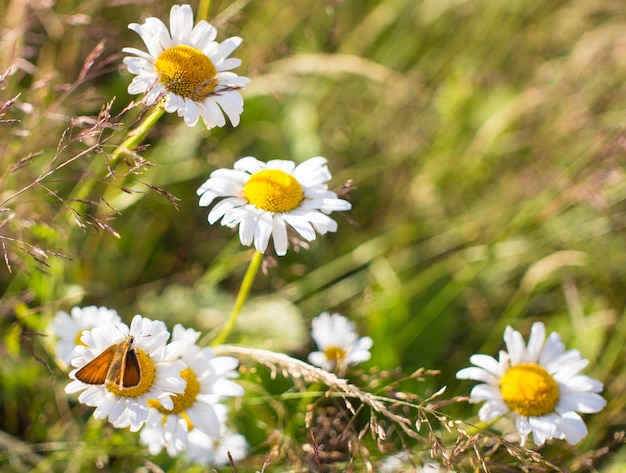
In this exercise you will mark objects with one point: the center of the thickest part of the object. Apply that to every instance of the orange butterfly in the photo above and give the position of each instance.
(117, 364)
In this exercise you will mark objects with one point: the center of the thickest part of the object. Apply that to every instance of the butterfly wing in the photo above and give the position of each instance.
(131, 375)
(95, 372)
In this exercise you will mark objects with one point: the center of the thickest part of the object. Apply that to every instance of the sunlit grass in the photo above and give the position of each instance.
(484, 142)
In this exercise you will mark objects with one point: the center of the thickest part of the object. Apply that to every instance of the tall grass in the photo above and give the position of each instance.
(484, 140)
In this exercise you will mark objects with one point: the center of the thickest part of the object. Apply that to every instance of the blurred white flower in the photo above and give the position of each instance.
(198, 445)
(338, 342)
(204, 449)
(264, 198)
(538, 384)
(188, 68)
(402, 462)
(196, 410)
(119, 369)
(69, 327)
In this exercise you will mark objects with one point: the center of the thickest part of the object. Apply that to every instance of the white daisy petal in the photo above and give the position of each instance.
(262, 232)
(492, 410)
(568, 363)
(523, 428)
(181, 23)
(230, 63)
(543, 428)
(279, 234)
(228, 80)
(584, 402)
(222, 208)
(203, 35)
(317, 358)
(212, 114)
(487, 363)
(535, 342)
(313, 171)
(228, 47)
(580, 383)
(137, 64)
(477, 374)
(573, 428)
(282, 165)
(515, 345)
(553, 348)
(191, 113)
(301, 225)
(232, 105)
(247, 227)
(249, 164)
(485, 392)
(148, 31)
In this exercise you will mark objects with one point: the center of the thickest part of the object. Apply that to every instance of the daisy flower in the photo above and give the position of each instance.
(538, 384)
(265, 198)
(338, 342)
(208, 381)
(205, 449)
(119, 369)
(403, 462)
(199, 446)
(69, 327)
(188, 68)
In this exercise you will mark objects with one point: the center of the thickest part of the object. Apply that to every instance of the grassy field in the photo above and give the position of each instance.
(483, 144)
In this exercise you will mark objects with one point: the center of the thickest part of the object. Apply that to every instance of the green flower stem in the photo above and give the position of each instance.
(137, 135)
(133, 139)
(203, 10)
(244, 290)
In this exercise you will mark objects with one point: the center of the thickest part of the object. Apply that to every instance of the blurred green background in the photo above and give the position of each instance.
(485, 142)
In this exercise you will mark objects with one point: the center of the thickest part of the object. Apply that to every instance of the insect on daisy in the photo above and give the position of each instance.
(538, 384)
(197, 409)
(188, 68)
(264, 198)
(69, 327)
(118, 369)
(338, 343)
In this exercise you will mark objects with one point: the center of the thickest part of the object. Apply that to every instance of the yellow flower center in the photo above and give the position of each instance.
(77, 340)
(529, 390)
(334, 354)
(181, 401)
(273, 190)
(146, 368)
(187, 72)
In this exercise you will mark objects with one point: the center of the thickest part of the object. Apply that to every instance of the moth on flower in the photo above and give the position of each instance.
(118, 369)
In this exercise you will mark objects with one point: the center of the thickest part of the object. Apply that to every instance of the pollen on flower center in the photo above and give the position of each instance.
(273, 190)
(334, 353)
(77, 340)
(187, 72)
(146, 368)
(181, 401)
(529, 390)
